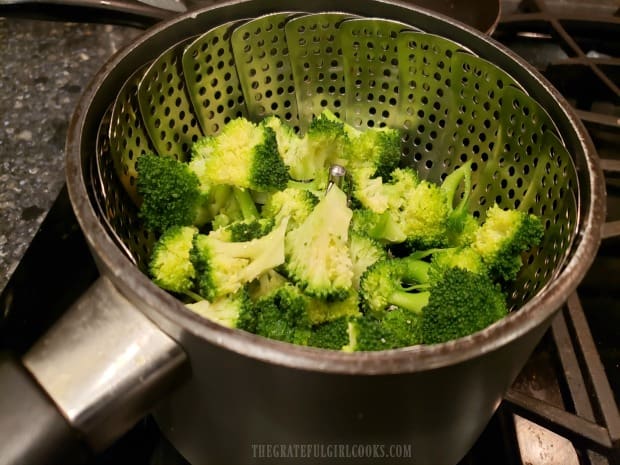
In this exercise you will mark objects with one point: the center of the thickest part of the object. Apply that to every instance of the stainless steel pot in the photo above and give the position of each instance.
(220, 395)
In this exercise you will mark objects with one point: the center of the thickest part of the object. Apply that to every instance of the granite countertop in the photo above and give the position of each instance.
(45, 66)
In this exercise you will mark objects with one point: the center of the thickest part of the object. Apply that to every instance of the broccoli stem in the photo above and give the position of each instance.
(246, 203)
(451, 184)
(415, 276)
(386, 228)
(193, 295)
(412, 301)
(416, 271)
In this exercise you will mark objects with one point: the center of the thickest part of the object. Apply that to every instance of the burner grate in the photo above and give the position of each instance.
(576, 47)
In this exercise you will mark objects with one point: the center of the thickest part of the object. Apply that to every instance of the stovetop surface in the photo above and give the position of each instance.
(570, 386)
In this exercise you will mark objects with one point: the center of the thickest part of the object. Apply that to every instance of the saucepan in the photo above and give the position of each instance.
(221, 395)
(481, 14)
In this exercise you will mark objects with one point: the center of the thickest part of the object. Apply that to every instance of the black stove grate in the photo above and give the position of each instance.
(571, 384)
(577, 48)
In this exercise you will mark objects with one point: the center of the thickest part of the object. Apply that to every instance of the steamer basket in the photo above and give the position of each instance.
(450, 104)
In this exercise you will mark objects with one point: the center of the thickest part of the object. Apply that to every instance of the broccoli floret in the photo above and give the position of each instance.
(321, 311)
(171, 193)
(393, 283)
(405, 209)
(459, 304)
(374, 152)
(364, 251)
(449, 302)
(243, 154)
(170, 265)
(377, 150)
(465, 258)
(369, 192)
(419, 208)
(200, 152)
(230, 204)
(324, 144)
(283, 315)
(223, 267)
(379, 226)
(289, 143)
(461, 225)
(503, 236)
(291, 202)
(223, 206)
(418, 212)
(244, 230)
(265, 284)
(232, 311)
(332, 335)
(317, 252)
(398, 327)
(380, 196)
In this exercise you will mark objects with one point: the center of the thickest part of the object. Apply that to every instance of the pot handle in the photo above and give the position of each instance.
(123, 12)
(33, 431)
(89, 379)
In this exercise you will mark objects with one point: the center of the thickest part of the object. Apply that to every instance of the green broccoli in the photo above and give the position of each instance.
(376, 151)
(459, 304)
(397, 327)
(374, 155)
(369, 192)
(364, 251)
(503, 236)
(288, 142)
(332, 334)
(283, 315)
(170, 266)
(296, 204)
(381, 194)
(403, 209)
(451, 302)
(379, 226)
(461, 225)
(232, 311)
(223, 206)
(252, 234)
(265, 284)
(419, 208)
(230, 204)
(201, 152)
(317, 253)
(418, 212)
(321, 310)
(388, 284)
(244, 155)
(171, 193)
(324, 144)
(465, 258)
(244, 230)
(223, 267)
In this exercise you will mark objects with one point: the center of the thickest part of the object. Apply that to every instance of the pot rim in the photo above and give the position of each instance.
(162, 307)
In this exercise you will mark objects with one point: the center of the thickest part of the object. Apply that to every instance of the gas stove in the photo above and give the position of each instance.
(563, 408)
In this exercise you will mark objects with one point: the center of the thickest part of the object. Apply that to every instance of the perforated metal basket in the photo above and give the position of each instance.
(451, 105)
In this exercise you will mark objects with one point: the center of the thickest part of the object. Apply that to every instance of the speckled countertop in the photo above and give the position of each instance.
(45, 66)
